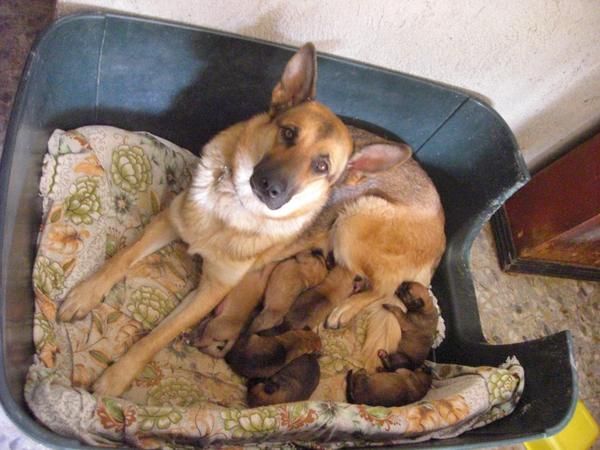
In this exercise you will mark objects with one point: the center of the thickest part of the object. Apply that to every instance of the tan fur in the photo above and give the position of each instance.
(383, 333)
(312, 307)
(220, 333)
(221, 216)
(289, 279)
(389, 242)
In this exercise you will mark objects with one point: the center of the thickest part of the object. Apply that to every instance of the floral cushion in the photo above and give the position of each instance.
(100, 186)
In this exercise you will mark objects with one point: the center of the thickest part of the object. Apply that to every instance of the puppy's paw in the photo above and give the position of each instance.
(340, 317)
(82, 299)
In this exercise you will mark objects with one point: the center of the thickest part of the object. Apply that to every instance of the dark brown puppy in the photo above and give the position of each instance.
(387, 388)
(418, 326)
(295, 382)
(256, 356)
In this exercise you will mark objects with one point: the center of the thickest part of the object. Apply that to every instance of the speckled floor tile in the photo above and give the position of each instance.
(535, 306)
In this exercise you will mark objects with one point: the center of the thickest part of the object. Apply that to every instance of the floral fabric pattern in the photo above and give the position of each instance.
(100, 187)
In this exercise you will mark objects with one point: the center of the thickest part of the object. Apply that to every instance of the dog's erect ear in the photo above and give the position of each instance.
(298, 82)
(379, 157)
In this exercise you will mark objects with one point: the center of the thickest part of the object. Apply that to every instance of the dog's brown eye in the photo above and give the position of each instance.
(321, 165)
(289, 135)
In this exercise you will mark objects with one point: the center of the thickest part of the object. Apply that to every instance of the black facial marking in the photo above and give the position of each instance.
(317, 252)
(330, 262)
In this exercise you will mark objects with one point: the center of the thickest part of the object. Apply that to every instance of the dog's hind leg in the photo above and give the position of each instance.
(217, 280)
(89, 293)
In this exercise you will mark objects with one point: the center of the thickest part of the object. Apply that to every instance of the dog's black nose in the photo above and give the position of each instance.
(270, 188)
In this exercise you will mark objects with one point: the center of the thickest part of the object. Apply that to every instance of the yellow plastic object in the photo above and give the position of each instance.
(580, 433)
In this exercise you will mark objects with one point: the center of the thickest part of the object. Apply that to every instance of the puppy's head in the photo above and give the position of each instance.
(414, 295)
(264, 392)
(291, 156)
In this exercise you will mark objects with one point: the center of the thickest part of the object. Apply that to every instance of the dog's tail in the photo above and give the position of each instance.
(383, 333)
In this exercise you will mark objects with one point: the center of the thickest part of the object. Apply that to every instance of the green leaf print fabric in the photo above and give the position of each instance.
(100, 186)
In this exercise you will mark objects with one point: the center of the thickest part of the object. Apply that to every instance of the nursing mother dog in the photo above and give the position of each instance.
(257, 187)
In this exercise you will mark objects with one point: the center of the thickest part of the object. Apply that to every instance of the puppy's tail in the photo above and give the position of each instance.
(383, 333)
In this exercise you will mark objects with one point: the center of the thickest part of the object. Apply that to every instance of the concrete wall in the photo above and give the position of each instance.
(536, 61)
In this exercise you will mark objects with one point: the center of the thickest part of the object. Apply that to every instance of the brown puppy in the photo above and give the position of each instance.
(304, 293)
(289, 279)
(255, 356)
(313, 306)
(418, 325)
(295, 382)
(258, 185)
(387, 388)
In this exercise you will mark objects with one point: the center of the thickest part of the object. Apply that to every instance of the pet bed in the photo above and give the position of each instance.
(100, 186)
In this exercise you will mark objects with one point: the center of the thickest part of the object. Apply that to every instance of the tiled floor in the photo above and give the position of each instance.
(512, 307)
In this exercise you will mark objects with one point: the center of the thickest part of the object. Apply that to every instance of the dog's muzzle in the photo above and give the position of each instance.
(270, 186)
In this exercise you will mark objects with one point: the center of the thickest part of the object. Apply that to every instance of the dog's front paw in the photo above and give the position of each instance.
(340, 317)
(82, 299)
(114, 381)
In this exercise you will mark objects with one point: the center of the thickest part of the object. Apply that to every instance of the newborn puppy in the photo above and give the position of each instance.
(312, 307)
(256, 356)
(418, 325)
(387, 388)
(289, 279)
(295, 382)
